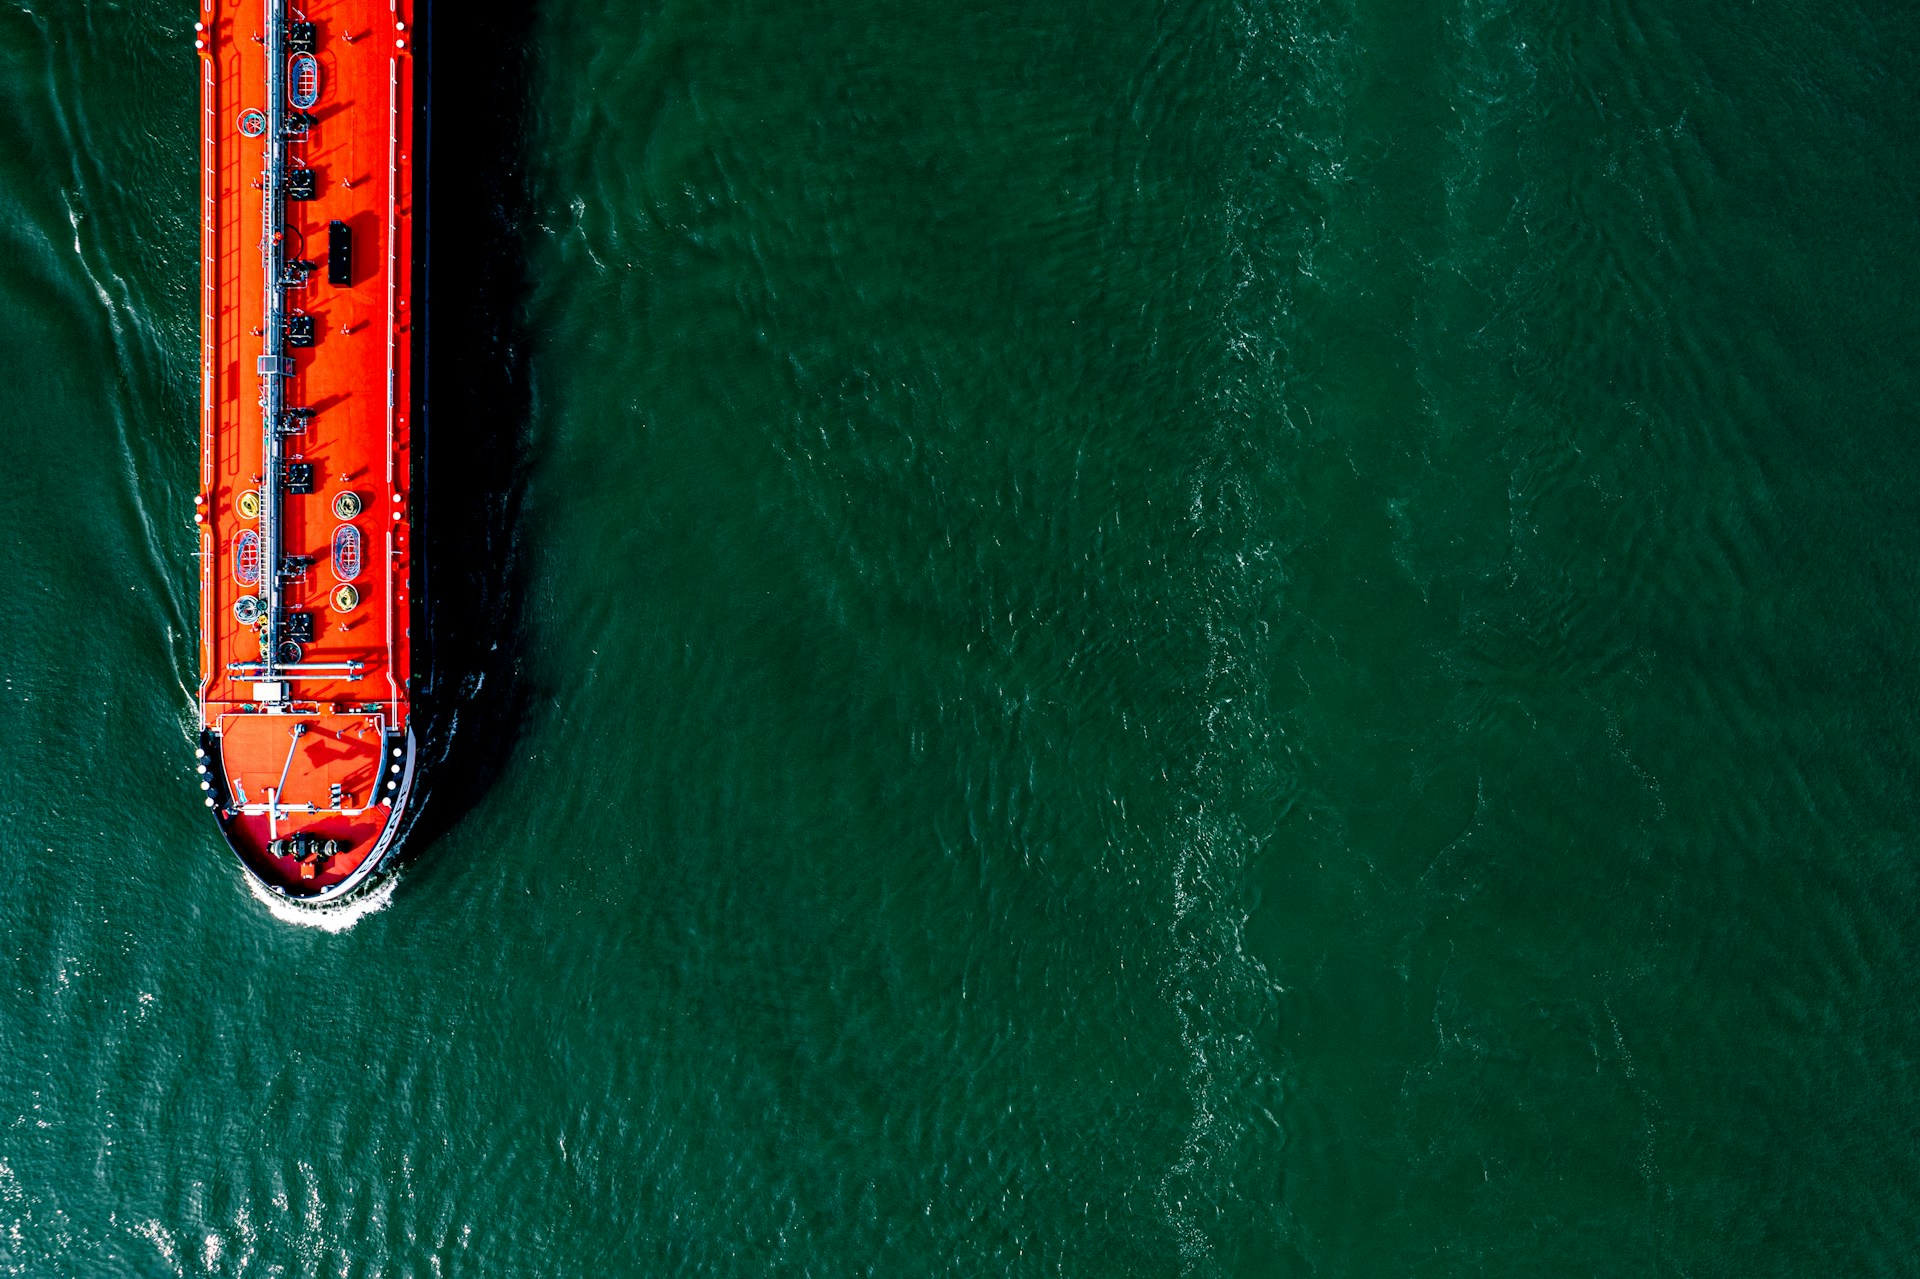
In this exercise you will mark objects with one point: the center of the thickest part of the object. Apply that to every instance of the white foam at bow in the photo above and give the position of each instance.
(328, 919)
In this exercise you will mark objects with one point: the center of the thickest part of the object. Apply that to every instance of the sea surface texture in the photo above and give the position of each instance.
(1075, 637)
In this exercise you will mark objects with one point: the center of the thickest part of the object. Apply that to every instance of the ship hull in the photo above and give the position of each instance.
(307, 754)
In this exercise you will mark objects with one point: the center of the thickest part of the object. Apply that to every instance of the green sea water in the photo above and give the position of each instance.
(1213, 638)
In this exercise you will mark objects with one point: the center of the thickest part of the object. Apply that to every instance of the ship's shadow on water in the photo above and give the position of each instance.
(470, 695)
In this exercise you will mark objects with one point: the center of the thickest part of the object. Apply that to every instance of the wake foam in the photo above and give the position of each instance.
(328, 919)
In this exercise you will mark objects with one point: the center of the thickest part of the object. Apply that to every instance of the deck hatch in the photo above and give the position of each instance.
(339, 253)
(303, 80)
(346, 553)
(246, 558)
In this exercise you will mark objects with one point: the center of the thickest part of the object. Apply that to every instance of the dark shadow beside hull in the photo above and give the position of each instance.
(471, 353)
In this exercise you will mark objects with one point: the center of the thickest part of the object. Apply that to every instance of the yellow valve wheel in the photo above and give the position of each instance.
(345, 599)
(248, 504)
(346, 506)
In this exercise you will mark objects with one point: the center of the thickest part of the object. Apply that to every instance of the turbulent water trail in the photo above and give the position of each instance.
(1282, 159)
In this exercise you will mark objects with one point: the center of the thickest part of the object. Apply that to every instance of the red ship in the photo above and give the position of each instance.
(307, 751)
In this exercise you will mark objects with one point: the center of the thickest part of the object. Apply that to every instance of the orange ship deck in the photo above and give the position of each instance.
(306, 754)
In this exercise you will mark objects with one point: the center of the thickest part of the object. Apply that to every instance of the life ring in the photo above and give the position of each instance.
(345, 599)
(346, 505)
(246, 610)
(248, 504)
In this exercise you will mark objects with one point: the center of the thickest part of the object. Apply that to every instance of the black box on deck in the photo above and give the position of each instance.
(339, 253)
